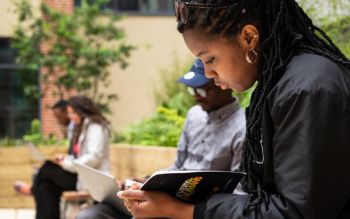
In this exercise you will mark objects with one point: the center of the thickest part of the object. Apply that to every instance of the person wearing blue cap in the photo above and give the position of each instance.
(195, 77)
(215, 128)
(212, 137)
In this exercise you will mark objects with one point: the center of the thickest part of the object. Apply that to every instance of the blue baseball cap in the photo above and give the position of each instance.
(195, 77)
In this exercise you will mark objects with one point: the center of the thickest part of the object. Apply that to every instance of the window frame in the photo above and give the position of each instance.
(138, 12)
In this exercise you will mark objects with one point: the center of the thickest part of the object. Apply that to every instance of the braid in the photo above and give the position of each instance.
(285, 29)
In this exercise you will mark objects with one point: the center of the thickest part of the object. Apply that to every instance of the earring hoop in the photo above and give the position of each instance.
(247, 57)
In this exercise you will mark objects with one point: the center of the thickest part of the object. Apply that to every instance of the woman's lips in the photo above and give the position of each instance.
(221, 84)
(217, 83)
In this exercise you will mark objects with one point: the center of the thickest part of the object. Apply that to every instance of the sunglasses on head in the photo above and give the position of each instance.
(199, 91)
(181, 8)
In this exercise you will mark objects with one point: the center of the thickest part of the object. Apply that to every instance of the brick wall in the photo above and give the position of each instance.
(62, 5)
(49, 124)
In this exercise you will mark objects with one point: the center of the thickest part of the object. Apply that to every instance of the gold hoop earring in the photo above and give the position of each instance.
(249, 59)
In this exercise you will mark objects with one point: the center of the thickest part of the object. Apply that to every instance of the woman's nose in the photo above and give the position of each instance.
(209, 73)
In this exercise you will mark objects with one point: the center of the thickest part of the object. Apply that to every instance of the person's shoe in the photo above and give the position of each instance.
(22, 188)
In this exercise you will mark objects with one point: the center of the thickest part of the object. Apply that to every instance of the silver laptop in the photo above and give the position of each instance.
(35, 153)
(102, 187)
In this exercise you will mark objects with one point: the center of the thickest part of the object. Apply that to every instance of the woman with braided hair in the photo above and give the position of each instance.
(297, 142)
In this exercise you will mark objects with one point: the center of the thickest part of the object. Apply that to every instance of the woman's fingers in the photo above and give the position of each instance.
(151, 204)
(132, 194)
(135, 185)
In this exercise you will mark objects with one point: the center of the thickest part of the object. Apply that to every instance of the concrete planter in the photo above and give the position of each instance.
(127, 161)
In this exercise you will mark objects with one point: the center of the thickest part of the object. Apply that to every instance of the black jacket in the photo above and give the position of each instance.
(306, 144)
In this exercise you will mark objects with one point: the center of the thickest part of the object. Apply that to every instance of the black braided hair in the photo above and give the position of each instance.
(284, 29)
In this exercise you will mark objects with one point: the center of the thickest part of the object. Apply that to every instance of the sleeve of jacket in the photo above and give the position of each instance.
(95, 143)
(310, 152)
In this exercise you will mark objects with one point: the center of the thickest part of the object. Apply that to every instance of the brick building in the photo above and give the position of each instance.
(150, 26)
(49, 124)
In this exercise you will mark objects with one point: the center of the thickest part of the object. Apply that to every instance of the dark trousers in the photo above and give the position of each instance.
(47, 188)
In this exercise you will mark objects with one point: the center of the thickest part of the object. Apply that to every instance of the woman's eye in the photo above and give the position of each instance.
(210, 61)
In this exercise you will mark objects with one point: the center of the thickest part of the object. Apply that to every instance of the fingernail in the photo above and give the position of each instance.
(120, 194)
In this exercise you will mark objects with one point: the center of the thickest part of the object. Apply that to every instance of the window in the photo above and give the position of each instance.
(156, 6)
(16, 110)
(124, 5)
(77, 3)
(145, 7)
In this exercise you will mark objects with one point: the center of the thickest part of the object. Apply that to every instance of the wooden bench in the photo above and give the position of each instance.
(127, 162)
(72, 202)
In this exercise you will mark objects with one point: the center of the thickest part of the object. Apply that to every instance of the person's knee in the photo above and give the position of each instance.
(45, 170)
(87, 213)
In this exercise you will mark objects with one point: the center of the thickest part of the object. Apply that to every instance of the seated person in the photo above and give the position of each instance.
(90, 147)
(60, 113)
(211, 139)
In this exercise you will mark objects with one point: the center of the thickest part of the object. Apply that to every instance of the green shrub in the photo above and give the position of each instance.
(8, 142)
(333, 17)
(174, 95)
(164, 129)
(34, 135)
(339, 31)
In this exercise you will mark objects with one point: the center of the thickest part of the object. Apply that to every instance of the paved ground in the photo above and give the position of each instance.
(9, 213)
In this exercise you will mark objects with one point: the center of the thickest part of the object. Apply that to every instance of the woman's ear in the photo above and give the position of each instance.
(249, 37)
